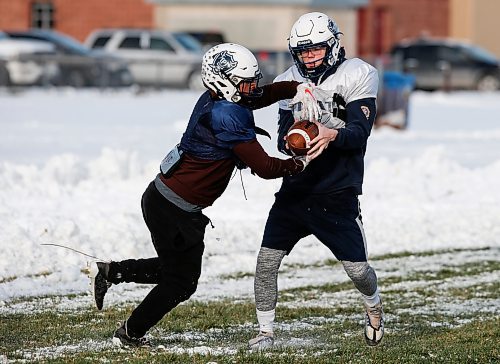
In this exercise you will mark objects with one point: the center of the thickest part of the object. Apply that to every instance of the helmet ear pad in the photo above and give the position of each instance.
(225, 66)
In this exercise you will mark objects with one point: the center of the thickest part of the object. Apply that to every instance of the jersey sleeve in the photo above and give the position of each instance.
(272, 93)
(360, 117)
(253, 155)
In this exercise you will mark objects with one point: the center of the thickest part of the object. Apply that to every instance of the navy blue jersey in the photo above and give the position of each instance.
(220, 136)
(215, 127)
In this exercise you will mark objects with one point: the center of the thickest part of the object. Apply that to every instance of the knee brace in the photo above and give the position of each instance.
(362, 275)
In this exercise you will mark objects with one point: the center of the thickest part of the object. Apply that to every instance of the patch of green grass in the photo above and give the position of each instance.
(324, 263)
(488, 290)
(8, 279)
(408, 340)
(237, 275)
(419, 327)
(449, 271)
(407, 254)
(313, 292)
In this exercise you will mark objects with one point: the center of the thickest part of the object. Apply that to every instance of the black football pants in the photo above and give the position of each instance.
(177, 237)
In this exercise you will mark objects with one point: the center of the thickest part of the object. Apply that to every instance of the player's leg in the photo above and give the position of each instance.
(178, 239)
(104, 274)
(283, 230)
(336, 221)
(266, 295)
(179, 281)
(365, 280)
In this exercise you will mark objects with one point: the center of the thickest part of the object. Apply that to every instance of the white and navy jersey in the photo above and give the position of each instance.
(352, 86)
(354, 80)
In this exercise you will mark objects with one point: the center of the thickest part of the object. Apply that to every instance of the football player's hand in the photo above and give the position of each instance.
(303, 160)
(326, 118)
(304, 104)
(320, 143)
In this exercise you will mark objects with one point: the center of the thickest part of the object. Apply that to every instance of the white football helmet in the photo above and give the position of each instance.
(231, 71)
(314, 30)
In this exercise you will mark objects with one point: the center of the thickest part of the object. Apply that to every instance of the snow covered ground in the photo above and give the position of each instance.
(74, 164)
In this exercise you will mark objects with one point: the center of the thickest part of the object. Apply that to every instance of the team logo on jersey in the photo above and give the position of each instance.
(366, 111)
(223, 63)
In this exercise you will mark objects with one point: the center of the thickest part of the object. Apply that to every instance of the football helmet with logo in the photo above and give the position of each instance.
(310, 32)
(231, 71)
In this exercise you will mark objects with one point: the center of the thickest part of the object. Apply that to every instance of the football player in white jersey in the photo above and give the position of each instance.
(323, 200)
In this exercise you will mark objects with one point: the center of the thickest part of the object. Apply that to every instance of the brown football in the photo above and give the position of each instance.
(301, 133)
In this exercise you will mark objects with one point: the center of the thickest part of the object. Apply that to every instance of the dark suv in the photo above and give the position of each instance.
(446, 64)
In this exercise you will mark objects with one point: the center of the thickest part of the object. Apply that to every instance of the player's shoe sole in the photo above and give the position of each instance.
(98, 284)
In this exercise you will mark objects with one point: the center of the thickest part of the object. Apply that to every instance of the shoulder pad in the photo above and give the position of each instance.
(355, 79)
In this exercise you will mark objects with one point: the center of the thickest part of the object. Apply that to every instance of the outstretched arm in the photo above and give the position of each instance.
(272, 93)
(253, 155)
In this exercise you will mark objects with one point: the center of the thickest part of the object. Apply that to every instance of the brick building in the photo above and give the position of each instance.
(75, 18)
(384, 22)
(370, 26)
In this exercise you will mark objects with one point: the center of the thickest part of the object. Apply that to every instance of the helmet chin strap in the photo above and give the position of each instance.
(331, 69)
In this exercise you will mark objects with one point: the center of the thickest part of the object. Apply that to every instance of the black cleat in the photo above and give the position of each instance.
(122, 338)
(99, 284)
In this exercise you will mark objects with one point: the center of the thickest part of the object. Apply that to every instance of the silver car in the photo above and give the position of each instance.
(155, 57)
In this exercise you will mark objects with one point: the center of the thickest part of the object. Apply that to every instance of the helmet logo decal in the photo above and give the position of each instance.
(332, 27)
(223, 63)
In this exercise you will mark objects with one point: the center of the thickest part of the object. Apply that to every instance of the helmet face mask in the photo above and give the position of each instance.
(314, 31)
(231, 71)
(312, 57)
(249, 87)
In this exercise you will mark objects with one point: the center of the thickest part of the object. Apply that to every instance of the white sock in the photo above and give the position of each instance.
(373, 299)
(266, 320)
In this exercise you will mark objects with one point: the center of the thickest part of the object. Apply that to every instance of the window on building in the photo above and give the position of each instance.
(42, 14)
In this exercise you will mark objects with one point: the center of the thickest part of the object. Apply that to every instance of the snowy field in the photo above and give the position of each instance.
(74, 164)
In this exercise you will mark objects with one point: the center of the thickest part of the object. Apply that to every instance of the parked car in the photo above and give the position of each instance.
(19, 63)
(272, 63)
(447, 64)
(78, 65)
(155, 57)
(208, 38)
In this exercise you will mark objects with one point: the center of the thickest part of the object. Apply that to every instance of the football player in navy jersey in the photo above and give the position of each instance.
(221, 135)
(323, 200)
